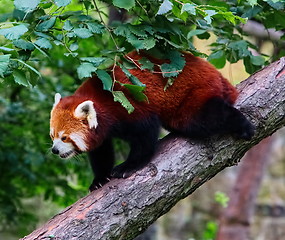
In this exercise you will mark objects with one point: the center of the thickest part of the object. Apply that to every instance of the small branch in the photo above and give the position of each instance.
(258, 30)
(133, 61)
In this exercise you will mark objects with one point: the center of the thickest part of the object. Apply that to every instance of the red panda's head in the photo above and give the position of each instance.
(71, 122)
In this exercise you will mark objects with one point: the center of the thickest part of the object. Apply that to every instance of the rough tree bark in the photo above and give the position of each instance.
(235, 221)
(123, 208)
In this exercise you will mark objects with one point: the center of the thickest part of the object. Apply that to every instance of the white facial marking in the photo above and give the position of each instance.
(60, 134)
(51, 132)
(87, 110)
(57, 98)
(66, 150)
(79, 141)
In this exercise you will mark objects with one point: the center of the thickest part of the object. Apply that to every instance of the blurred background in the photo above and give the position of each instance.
(35, 185)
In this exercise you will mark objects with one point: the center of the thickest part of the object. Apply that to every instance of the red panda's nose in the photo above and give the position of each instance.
(55, 150)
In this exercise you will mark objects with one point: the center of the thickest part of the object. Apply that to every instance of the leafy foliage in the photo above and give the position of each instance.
(49, 46)
(165, 25)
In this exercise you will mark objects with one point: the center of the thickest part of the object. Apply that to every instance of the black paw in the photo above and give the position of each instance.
(123, 170)
(246, 131)
(98, 183)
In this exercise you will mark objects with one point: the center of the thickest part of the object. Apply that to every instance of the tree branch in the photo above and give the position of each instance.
(123, 208)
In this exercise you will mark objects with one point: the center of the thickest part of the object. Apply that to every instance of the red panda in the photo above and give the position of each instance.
(199, 104)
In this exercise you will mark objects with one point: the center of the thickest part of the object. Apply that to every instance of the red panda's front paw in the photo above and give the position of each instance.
(98, 183)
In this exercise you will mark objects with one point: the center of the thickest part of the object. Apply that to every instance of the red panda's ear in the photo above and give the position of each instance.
(57, 98)
(87, 111)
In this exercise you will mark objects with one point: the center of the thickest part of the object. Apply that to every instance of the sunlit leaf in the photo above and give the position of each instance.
(15, 32)
(188, 7)
(209, 13)
(26, 5)
(165, 7)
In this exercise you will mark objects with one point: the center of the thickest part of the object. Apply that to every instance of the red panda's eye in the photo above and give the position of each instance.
(63, 139)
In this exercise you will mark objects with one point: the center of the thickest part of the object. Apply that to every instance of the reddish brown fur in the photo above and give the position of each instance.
(198, 82)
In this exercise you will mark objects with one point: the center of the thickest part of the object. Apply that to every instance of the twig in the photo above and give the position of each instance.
(102, 21)
(133, 61)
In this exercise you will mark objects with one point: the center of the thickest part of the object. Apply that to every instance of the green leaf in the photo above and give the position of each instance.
(136, 91)
(5, 49)
(26, 5)
(62, 3)
(176, 65)
(46, 25)
(4, 63)
(188, 7)
(95, 27)
(146, 44)
(67, 25)
(278, 5)
(96, 61)
(43, 43)
(146, 64)
(222, 198)
(106, 79)
(20, 77)
(46, 5)
(249, 67)
(241, 47)
(73, 47)
(30, 67)
(257, 60)
(126, 4)
(15, 32)
(82, 32)
(22, 44)
(120, 97)
(165, 7)
(218, 59)
(85, 70)
(134, 80)
(195, 32)
(33, 78)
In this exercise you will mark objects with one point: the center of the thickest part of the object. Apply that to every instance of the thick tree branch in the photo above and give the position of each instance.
(123, 208)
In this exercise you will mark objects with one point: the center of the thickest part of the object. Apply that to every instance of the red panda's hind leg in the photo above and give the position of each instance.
(218, 117)
(102, 162)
